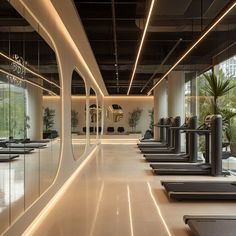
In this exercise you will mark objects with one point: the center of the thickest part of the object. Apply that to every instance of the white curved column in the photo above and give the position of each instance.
(160, 105)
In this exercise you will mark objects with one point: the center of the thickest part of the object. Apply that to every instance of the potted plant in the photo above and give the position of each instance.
(48, 122)
(151, 115)
(217, 87)
(74, 120)
(134, 118)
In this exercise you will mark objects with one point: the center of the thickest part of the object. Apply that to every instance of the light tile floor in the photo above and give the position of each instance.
(116, 194)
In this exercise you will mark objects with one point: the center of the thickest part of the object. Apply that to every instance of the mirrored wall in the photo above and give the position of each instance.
(78, 115)
(114, 113)
(93, 117)
(99, 118)
(30, 116)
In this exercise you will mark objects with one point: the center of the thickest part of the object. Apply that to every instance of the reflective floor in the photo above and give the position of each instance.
(116, 194)
(24, 179)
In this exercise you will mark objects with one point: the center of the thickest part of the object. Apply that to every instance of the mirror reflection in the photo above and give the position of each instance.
(78, 115)
(114, 113)
(93, 117)
(30, 117)
(99, 118)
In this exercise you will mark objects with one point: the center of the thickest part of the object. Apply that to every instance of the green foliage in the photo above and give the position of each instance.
(216, 87)
(74, 119)
(215, 98)
(12, 109)
(134, 117)
(151, 115)
(48, 118)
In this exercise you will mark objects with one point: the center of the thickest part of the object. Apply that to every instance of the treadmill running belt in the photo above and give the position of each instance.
(204, 190)
(26, 145)
(213, 227)
(15, 150)
(200, 186)
(6, 158)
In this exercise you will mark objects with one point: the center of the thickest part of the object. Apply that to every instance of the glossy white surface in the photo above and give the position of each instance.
(117, 194)
(24, 179)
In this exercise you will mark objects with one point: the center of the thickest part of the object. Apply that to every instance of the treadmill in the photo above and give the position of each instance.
(205, 190)
(207, 225)
(152, 140)
(174, 138)
(25, 145)
(35, 141)
(213, 142)
(164, 126)
(7, 158)
(15, 150)
(191, 147)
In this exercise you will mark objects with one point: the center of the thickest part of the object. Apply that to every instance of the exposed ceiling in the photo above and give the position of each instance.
(114, 29)
(18, 37)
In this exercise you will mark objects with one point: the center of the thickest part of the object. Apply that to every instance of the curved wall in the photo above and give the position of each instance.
(73, 51)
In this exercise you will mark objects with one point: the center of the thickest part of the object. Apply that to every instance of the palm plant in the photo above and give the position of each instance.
(216, 87)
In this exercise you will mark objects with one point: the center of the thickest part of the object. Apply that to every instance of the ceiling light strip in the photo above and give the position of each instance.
(29, 82)
(141, 45)
(29, 70)
(195, 44)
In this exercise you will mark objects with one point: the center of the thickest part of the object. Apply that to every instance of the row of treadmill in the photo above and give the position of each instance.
(11, 149)
(166, 158)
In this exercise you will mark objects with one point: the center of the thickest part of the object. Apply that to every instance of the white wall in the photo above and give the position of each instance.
(128, 104)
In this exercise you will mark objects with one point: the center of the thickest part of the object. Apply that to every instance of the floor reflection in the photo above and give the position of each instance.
(24, 179)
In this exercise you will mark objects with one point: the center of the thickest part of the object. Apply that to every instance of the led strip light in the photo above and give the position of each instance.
(29, 70)
(141, 45)
(29, 82)
(194, 45)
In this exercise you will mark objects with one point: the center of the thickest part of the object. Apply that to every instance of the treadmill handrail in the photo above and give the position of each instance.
(179, 128)
(162, 125)
(203, 131)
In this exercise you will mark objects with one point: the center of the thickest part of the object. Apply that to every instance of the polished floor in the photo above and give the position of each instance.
(24, 179)
(116, 194)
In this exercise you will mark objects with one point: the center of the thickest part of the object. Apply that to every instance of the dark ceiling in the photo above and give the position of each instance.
(18, 37)
(114, 29)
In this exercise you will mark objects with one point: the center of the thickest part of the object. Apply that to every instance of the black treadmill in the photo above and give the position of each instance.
(7, 158)
(191, 147)
(25, 145)
(213, 137)
(200, 190)
(16, 150)
(211, 225)
(35, 141)
(165, 140)
(173, 140)
(162, 134)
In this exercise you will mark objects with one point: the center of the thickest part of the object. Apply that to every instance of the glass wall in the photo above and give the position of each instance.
(227, 68)
(30, 116)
